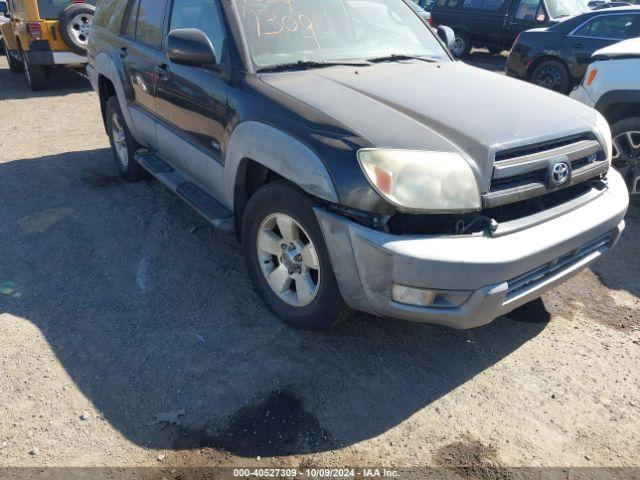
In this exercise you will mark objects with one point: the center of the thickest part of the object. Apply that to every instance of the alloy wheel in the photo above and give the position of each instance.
(458, 46)
(119, 140)
(626, 155)
(288, 259)
(548, 77)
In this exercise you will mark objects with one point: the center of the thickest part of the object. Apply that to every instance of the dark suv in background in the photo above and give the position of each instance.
(495, 24)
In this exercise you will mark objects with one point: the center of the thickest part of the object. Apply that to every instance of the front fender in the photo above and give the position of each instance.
(281, 153)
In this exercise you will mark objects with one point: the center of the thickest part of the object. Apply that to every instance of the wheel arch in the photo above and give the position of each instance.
(617, 105)
(544, 58)
(258, 154)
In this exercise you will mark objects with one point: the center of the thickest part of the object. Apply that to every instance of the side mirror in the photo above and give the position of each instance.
(190, 46)
(447, 36)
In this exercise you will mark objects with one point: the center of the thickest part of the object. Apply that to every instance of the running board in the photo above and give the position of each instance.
(207, 206)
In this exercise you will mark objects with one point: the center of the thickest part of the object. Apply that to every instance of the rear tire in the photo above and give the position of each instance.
(123, 145)
(36, 75)
(551, 74)
(15, 65)
(461, 45)
(306, 295)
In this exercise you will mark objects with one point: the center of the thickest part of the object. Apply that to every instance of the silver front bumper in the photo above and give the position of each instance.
(500, 273)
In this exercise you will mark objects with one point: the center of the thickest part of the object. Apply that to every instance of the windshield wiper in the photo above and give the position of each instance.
(397, 56)
(307, 65)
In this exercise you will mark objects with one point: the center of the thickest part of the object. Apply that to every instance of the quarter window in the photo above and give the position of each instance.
(149, 24)
(204, 15)
(618, 27)
(130, 26)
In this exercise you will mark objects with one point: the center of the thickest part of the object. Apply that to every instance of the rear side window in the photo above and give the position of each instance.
(149, 24)
(492, 5)
(616, 27)
(49, 9)
(204, 15)
(109, 14)
(129, 29)
(530, 10)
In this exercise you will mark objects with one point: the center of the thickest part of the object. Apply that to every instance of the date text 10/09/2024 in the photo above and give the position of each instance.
(315, 473)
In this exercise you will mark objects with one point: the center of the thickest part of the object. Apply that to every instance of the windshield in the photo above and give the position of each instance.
(51, 8)
(567, 8)
(281, 32)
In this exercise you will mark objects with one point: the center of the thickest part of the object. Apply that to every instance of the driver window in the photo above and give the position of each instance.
(204, 15)
(530, 11)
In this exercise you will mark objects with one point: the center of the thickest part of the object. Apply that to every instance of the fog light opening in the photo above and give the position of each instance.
(413, 296)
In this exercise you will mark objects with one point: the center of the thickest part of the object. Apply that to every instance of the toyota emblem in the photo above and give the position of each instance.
(560, 173)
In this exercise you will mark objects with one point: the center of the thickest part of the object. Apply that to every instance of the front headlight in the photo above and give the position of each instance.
(605, 134)
(422, 181)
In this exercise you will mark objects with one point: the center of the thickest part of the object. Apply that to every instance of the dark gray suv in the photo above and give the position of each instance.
(357, 163)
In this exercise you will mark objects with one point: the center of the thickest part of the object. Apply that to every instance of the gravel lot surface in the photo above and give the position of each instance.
(131, 336)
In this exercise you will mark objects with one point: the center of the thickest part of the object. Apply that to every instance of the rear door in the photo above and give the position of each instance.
(523, 15)
(487, 20)
(598, 32)
(142, 31)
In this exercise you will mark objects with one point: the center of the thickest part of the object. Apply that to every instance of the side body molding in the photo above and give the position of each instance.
(280, 152)
(106, 66)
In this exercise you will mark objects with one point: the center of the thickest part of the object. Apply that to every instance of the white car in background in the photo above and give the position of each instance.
(612, 86)
(4, 9)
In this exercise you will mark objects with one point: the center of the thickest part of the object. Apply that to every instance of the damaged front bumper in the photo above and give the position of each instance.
(490, 276)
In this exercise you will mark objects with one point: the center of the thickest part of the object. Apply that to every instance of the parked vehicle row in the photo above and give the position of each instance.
(43, 34)
(557, 57)
(612, 86)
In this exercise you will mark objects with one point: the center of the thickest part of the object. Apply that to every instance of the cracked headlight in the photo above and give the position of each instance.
(604, 131)
(422, 181)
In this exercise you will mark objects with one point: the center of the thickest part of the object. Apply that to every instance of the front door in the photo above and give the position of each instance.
(523, 15)
(142, 32)
(192, 101)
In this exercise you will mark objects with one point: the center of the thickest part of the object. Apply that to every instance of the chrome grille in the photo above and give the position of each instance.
(533, 278)
(520, 174)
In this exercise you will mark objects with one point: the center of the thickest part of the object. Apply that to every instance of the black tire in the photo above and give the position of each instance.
(462, 44)
(15, 65)
(3, 51)
(328, 308)
(75, 22)
(127, 165)
(36, 75)
(628, 155)
(551, 74)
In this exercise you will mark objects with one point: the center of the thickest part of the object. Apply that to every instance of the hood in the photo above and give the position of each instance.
(626, 48)
(448, 107)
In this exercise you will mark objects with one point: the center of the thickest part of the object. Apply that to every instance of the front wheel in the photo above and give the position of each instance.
(626, 153)
(553, 75)
(123, 145)
(287, 258)
(461, 45)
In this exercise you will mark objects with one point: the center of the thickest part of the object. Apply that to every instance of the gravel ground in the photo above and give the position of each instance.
(132, 337)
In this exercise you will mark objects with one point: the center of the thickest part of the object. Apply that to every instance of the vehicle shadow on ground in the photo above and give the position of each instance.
(153, 317)
(483, 59)
(61, 82)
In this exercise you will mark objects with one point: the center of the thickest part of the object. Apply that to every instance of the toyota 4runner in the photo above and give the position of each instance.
(357, 163)
(42, 34)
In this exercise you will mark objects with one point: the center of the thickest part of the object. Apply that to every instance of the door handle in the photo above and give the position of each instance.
(123, 52)
(163, 72)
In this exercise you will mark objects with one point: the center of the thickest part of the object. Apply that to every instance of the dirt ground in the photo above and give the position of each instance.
(130, 336)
